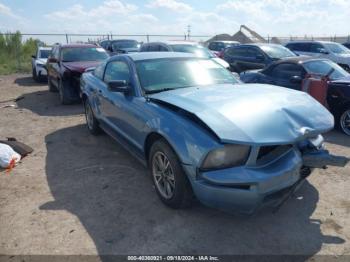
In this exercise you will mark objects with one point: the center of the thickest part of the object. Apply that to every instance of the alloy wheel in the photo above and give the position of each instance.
(345, 122)
(163, 175)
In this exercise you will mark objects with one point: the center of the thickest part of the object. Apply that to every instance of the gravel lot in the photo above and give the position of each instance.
(79, 194)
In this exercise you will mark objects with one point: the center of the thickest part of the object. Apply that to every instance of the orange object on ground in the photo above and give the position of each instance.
(11, 165)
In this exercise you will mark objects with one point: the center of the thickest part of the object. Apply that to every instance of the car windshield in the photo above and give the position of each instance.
(44, 53)
(276, 51)
(325, 67)
(198, 50)
(125, 44)
(165, 74)
(337, 48)
(83, 54)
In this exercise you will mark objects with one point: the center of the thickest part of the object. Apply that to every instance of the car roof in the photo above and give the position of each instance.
(298, 60)
(174, 42)
(225, 41)
(258, 44)
(155, 55)
(77, 45)
(122, 40)
(311, 41)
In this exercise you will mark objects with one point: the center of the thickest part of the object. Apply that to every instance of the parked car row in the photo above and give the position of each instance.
(201, 131)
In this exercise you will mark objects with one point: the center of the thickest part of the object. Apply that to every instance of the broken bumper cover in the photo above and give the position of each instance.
(245, 190)
(322, 158)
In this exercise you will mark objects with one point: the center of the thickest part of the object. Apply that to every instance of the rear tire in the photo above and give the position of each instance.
(181, 195)
(91, 121)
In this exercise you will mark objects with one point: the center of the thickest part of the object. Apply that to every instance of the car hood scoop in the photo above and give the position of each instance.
(252, 113)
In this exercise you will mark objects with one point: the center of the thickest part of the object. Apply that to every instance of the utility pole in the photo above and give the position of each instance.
(188, 32)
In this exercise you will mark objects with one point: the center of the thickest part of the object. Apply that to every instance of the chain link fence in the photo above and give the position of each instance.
(19, 60)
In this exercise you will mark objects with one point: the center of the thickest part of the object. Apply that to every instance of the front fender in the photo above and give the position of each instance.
(189, 139)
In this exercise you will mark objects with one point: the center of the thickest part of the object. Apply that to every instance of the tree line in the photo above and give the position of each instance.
(15, 54)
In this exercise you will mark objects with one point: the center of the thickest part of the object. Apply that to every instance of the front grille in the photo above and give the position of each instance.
(269, 153)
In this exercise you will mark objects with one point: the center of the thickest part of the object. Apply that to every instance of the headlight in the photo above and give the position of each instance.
(227, 156)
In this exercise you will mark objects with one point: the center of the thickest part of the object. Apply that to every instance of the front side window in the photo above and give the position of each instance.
(163, 74)
(325, 67)
(337, 48)
(83, 54)
(122, 44)
(286, 71)
(99, 70)
(117, 70)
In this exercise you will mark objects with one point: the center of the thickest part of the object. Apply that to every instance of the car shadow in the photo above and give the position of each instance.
(338, 138)
(112, 195)
(29, 81)
(46, 103)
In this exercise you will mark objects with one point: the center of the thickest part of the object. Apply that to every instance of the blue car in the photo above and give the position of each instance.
(202, 133)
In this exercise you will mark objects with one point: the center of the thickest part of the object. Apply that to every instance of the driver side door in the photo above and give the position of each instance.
(287, 75)
(121, 110)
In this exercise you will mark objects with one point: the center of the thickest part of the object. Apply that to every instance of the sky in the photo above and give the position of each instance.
(206, 17)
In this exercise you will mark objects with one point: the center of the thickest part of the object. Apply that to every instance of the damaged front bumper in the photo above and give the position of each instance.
(322, 159)
(246, 189)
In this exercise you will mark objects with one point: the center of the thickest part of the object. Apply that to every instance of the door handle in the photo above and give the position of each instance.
(100, 91)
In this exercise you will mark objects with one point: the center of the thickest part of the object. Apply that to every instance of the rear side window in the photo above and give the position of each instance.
(241, 51)
(117, 70)
(153, 48)
(213, 46)
(163, 48)
(301, 47)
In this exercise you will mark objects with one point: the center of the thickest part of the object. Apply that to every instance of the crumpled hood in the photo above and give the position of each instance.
(80, 66)
(252, 113)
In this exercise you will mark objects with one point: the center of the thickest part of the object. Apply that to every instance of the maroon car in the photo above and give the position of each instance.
(65, 65)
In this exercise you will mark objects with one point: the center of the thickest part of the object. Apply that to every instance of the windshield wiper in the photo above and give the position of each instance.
(159, 90)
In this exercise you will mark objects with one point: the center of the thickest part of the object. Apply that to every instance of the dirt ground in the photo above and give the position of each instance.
(79, 194)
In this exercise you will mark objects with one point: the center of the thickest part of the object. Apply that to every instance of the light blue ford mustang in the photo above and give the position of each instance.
(236, 147)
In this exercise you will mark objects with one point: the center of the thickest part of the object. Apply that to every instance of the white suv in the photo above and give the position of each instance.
(39, 63)
(322, 49)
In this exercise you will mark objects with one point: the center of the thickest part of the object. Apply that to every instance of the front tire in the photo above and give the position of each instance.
(91, 121)
(171, 183)
(34, 75)
(64, 93)
(52, 88)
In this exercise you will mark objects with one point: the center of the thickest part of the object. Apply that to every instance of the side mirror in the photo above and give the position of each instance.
(323, 51)
(296, 80)
(120, 86)
(34, 56)
(52, 60)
